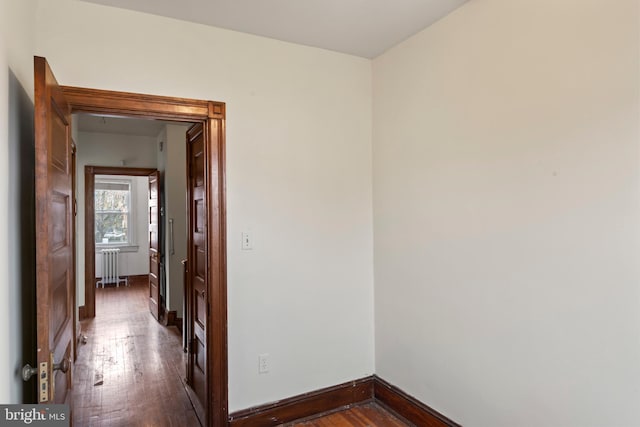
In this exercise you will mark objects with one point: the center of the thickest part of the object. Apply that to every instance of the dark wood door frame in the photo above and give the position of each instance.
(90, 173)
(212, 115)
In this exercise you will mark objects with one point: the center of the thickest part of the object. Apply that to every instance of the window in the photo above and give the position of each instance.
(113, 212)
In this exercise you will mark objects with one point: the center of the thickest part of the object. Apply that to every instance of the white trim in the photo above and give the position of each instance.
(131, 244)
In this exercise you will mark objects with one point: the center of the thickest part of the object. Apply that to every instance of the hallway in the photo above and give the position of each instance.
(130, 371)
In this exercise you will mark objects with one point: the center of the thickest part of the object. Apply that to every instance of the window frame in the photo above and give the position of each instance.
(131, 244)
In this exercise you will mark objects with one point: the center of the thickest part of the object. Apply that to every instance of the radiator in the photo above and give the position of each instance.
(110, 268)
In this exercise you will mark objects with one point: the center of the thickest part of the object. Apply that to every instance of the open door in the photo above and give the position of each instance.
(155, 255)
(206, 264)
(74, 201)
(197, 271)
(54, 239)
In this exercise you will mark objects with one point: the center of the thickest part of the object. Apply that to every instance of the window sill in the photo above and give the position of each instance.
(123, 247)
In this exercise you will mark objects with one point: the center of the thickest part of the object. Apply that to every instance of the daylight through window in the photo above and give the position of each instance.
(112, 212)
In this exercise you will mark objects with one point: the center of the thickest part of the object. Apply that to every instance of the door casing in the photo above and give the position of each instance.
(212, 115)
(90, 173)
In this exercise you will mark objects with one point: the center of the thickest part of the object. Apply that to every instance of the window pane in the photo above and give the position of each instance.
(112, 200)
(112, 227)
(112, 205)
(103, 185)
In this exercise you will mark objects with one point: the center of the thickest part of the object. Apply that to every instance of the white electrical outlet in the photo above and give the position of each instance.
(247, 241)
(263, 363)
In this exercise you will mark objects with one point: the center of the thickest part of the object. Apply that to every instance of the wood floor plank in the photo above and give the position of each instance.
(367, 415)
(131, 370)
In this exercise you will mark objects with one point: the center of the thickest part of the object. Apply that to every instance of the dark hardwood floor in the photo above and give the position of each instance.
(367, 415)
(131, 370)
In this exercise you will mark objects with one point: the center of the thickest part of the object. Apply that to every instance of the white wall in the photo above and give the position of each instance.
(506, 200)
(104, 149)
(17, 289)
(506, 206)
(175, 184)
(298, 171)
(134, 259)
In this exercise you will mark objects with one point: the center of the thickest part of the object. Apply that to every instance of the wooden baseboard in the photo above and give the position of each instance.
(82, 312)
(408, 407)
(139, 279)
(168, 317)
(341, 396)
(305, 405)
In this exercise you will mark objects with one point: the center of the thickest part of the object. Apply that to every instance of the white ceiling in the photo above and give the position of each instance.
(364, 28)
(118, 125)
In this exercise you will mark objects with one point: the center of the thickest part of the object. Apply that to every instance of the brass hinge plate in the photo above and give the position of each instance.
(43, 379)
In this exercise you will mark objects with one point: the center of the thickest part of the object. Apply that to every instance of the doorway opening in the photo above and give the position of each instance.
(114, 219)
(206, 258)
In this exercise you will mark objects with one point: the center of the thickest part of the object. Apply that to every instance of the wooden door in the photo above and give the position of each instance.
(54, 237)
(74, 215)
(197, 269)
(155, 254)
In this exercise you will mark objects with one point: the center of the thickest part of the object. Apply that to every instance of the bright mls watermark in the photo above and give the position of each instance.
(35, 415)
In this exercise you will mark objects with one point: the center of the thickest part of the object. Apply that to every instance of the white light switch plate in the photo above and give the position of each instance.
(247, 241)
